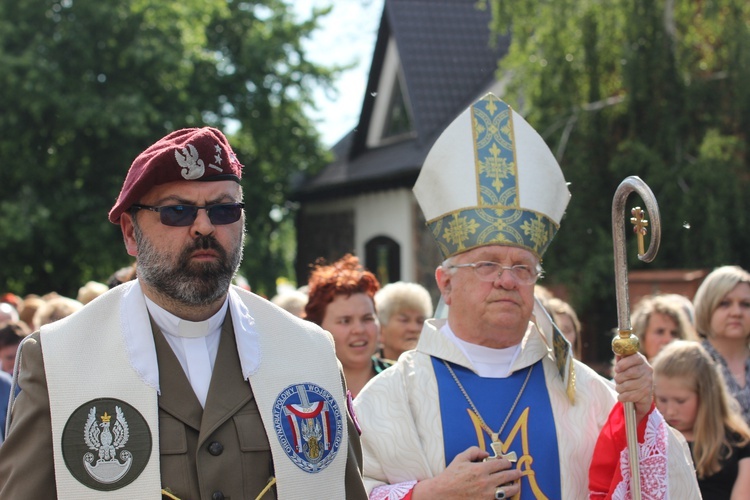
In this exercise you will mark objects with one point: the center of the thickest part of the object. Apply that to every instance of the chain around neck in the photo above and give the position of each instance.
(487, 429)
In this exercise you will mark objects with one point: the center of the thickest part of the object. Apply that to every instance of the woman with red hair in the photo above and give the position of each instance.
(341, 301)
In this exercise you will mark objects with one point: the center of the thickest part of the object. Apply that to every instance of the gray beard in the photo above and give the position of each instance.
(185, 282)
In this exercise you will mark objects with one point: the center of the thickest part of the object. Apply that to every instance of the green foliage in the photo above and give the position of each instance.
(636, 87)
(87, 85)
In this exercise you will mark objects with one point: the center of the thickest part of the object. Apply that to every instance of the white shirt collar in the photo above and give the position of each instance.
(139, 340)
(487, 362)
(172, 325)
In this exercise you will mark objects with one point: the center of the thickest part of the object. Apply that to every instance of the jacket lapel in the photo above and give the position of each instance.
(228, 391)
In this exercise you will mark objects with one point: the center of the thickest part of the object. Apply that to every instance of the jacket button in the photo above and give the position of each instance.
(217, 495)
(216, 449)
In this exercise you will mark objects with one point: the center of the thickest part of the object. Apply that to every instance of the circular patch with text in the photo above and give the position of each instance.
(106, 444)
(309, 425)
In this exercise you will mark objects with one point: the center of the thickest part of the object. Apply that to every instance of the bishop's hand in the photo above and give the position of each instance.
(634, 382)
(469, 477)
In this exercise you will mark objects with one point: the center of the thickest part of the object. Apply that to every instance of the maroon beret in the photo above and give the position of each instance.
(193, 154)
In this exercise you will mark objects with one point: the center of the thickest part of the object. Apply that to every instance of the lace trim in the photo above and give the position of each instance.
(652, 460)
(392, 491)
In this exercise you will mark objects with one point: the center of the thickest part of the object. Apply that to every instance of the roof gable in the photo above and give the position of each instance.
(446, 55)
(443, 61)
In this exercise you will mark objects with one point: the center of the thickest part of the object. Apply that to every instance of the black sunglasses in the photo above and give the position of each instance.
(184, 215)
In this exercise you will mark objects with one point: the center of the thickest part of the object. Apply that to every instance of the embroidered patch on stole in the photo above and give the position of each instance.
(309, 425)
(106, 444)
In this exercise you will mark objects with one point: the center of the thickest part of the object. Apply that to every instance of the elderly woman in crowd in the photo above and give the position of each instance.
(54, 309)
(402, 308)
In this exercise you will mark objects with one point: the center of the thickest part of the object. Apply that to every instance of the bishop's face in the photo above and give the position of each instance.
(490, 313)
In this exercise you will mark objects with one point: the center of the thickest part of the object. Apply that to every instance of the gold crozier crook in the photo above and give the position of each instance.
(625, 343)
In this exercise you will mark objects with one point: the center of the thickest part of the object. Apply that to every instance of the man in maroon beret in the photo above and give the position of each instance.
(179, 384)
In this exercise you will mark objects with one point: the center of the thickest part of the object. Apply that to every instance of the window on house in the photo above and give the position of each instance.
(392, 119)
(398, 120)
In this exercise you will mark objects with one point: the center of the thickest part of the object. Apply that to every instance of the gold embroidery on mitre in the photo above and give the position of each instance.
(571, 387)
(463, 230)
(496, 167)
(459, 230)
(491, 107)
(494, 153)
(536, 231)
(497, 216)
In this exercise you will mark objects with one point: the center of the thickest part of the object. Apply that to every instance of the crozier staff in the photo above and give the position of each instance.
(496, 380)
(178, 383)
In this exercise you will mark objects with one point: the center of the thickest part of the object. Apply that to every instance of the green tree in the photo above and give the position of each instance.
(636, 87)
(87, 85)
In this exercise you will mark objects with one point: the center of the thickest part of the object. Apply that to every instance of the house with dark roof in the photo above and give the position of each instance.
(432, 59)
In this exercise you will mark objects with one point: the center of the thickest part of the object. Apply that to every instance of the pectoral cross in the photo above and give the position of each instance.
(497, 449)
(639, 228)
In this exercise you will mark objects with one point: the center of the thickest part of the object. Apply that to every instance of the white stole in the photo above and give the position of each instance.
(84, 360)
(112, 337)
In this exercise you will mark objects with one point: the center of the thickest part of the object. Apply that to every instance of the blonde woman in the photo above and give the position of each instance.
(722, 318)
(657, 320)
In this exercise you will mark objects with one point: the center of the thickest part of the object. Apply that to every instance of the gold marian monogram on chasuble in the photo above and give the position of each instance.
(496, 445)
(499, 448)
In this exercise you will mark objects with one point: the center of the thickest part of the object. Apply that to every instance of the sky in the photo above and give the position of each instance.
(346, 35)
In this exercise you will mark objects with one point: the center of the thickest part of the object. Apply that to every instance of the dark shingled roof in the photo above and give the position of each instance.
(447, 60)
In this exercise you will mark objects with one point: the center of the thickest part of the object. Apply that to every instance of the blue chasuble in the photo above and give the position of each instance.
(530, 430)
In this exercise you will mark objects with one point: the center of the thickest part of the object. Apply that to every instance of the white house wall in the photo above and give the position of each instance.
(384, 213)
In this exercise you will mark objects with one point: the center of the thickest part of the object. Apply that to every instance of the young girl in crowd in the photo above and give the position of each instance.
(691, 394)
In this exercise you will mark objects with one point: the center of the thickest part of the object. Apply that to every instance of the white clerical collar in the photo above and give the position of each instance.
(487, 362)
(139, 341)
(177, 327)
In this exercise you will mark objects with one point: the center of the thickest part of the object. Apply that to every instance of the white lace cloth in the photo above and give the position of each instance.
(392, 491)
(653, 463)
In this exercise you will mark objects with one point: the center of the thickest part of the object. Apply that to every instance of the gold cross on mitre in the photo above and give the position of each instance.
(497, 449)
(639, 228)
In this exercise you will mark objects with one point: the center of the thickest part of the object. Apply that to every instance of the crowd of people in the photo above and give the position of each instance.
(166, 380)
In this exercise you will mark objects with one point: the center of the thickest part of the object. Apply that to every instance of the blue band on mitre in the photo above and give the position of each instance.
(463, 230)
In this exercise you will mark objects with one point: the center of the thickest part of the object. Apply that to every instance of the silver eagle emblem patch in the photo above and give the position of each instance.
(192, 165)
(105, 438)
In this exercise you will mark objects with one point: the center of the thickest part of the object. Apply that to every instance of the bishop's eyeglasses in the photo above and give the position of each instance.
(490, 271)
